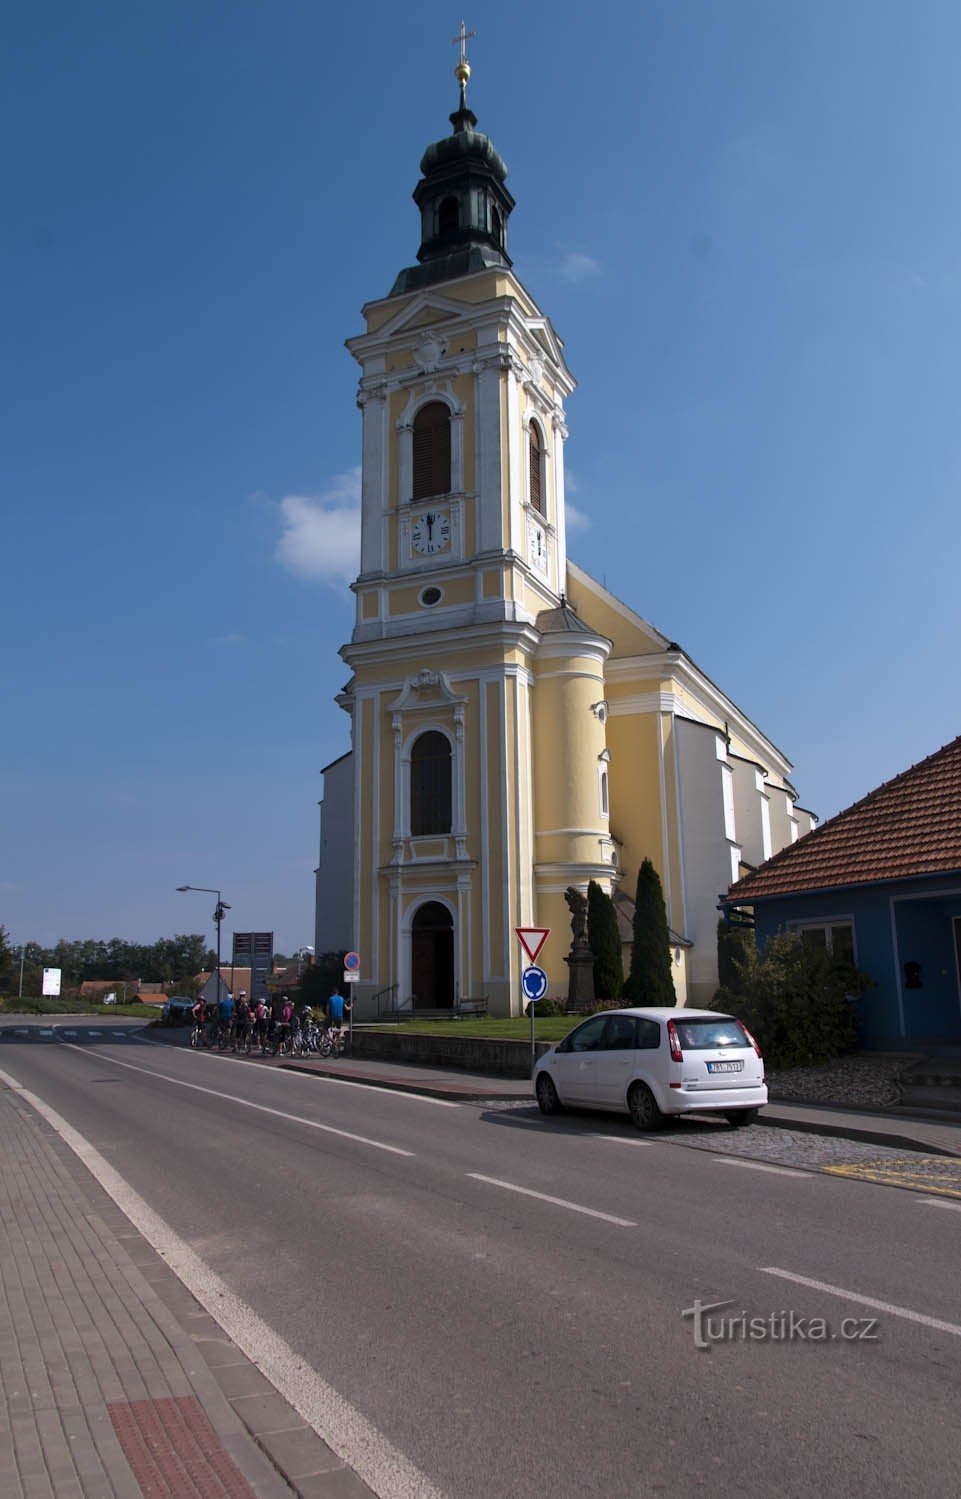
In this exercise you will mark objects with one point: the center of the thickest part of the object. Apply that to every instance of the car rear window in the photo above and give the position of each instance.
(700, 1035)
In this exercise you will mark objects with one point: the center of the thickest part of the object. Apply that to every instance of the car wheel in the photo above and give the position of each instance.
(737, 1118)
(643, 1107)
(547, 1098)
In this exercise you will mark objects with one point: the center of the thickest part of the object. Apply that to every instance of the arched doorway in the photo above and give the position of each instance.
(432, 957)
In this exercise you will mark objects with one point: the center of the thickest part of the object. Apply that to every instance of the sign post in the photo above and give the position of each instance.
(534, 985)
(351, 976)
(51, 982)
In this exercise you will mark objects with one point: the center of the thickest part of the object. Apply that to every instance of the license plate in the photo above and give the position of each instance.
(725, 1066)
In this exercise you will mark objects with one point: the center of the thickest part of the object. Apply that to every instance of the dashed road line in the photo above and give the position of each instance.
(560, 1202)
(940, 1202)
(877, 1306)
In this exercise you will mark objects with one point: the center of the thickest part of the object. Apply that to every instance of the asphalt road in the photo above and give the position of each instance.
(501, 1296)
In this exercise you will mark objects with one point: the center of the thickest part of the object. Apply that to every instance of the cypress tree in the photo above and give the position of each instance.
(605, 943)
(649, 981)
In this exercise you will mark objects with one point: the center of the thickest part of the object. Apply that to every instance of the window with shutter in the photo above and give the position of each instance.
(430, 784)
(431, 451)
(536, 455)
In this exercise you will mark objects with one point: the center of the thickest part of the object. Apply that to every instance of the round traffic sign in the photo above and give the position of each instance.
(351, 962)
(534, 983)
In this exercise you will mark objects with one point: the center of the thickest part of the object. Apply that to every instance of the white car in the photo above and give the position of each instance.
(656, 1062)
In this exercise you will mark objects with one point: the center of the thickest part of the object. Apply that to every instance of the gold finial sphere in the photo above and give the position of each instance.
(462, 71)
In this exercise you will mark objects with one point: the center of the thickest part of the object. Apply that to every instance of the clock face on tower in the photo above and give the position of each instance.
(537, 547)
(430, 533)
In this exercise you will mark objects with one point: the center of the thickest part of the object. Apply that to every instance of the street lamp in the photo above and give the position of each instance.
(218, 917)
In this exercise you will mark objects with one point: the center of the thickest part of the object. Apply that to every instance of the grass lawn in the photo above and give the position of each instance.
(552, 1028)
(11, 1005)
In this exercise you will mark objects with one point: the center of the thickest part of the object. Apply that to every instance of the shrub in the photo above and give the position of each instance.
(542, 1007)
(797, 1002)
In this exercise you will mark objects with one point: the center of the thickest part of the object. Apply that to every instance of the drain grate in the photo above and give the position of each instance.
(174, 1451)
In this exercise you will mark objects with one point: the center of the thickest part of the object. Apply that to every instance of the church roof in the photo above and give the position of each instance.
(906, 828)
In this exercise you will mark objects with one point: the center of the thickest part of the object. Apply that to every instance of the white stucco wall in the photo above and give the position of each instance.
(709, 850)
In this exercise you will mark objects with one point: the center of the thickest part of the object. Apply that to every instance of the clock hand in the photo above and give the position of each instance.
(430, 524)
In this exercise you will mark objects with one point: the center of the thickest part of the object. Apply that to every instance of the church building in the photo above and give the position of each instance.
(515, 728)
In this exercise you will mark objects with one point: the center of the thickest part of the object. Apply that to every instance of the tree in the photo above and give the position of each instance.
(605, 943)
(318, 978)
(649, 981)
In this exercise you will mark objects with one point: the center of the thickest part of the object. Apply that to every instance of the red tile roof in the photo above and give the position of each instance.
(908, 827)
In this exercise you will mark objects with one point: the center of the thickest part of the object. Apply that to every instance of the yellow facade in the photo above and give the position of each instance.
(576, 740)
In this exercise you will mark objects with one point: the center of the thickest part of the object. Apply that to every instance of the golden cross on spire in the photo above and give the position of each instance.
(462, 70)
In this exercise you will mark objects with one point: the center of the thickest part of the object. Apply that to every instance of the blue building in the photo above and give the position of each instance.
(880, 884)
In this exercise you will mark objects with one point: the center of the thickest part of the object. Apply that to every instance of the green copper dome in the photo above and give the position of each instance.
(464, 206)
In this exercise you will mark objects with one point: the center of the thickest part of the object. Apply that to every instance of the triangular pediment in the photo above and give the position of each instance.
(422, 311)
(542, 332)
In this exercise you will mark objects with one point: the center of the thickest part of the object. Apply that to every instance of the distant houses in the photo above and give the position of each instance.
(880, 884)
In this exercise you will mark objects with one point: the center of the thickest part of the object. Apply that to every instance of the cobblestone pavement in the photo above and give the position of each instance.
(114, 1383)
(886, 1165)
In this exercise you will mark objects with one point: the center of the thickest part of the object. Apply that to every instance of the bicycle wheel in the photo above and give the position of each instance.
(325, 1045)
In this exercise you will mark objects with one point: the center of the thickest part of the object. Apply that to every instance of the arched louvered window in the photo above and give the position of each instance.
(536, 458)
(448, 215)
(430, 784)
(497, 228)
(431, 451)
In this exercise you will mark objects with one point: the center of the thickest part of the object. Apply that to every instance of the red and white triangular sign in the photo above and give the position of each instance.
(532, 939)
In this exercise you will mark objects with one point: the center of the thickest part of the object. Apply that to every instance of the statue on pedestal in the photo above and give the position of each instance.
(580, 960)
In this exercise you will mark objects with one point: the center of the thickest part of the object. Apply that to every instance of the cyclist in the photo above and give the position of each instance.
(241, 1020)
(261, 1018)
(280, 1033)
(335, 1017)
(225, 1015)
(199, 1013)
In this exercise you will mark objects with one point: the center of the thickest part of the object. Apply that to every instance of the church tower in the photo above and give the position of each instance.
(479, 764)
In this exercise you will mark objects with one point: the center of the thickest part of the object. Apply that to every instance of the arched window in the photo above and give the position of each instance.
(497, 228)
(535, 453)
(448, 215)
(430, 784)
(431, 451)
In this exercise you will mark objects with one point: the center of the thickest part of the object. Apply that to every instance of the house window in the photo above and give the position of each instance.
(535, 451)
(835, 938)
(430, 784)
(431, 451)
(604, 803)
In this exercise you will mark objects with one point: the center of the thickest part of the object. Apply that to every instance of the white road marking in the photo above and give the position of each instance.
(358, 1443)
(560, 1202)
(940, 1202)
(622, 1140)
(344, 1082)
(262, 1108)
(871, 1301)
(728, 1160)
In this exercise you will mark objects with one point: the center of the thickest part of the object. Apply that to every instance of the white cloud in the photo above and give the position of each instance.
(321, 535)
(576, 266)
(576, 519)
(230, 639)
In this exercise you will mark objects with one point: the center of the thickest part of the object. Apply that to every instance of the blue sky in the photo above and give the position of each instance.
(743, 219)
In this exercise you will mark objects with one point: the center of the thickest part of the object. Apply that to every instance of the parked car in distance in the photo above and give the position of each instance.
(178, 1010)
(655, 1063)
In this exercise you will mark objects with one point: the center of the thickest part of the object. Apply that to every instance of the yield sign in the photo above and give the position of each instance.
(532, 939)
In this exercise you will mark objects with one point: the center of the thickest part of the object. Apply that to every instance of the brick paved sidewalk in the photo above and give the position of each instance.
(114, 1382)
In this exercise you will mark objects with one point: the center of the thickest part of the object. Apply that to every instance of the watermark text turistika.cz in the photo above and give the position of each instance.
(775, 1327)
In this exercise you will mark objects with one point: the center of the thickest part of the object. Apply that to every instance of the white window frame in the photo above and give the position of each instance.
(824, 924)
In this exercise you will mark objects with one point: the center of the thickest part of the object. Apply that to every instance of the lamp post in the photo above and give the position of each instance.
(219, 910)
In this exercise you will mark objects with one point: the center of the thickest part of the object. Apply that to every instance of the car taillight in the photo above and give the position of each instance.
(747, 1033)
(677, 1054)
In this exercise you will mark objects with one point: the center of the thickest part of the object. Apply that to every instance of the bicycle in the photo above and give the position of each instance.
(197, 1034)
(332, 1041)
